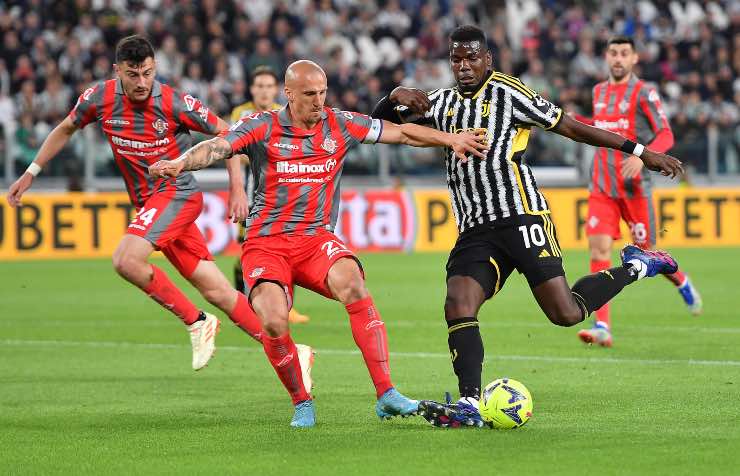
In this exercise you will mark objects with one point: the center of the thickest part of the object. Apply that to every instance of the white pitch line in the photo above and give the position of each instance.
(418, 355)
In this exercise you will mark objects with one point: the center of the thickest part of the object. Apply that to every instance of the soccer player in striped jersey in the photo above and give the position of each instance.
(144, 121)
(503, 220)
(264, 91)
(297, 155)
(620, 187)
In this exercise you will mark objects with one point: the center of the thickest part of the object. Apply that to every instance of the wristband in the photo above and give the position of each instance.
(633, 148)
(639, 149)
(33, 169)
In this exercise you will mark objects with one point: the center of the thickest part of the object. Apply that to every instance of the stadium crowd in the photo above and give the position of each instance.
(53, 50)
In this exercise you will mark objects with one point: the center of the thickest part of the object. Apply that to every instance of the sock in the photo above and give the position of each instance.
(678, 278)
(466, 351)
(370, 336)
(602, 313)
(164, 291)
(244, 316)
(283, 356)
(595, 290)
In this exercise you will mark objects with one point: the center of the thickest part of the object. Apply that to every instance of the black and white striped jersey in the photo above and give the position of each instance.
(501, 186)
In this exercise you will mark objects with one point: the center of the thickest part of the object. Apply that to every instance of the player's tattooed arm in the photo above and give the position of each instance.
(196, 158)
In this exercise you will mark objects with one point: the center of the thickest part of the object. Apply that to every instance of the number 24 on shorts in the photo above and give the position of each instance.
(145, 216)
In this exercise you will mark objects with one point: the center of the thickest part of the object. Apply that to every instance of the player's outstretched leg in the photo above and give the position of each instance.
(347, 284)
(130, 261)
(593, 291)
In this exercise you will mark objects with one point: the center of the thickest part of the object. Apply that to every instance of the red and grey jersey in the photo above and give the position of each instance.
(143, 133)
(634, 111)
(296, 171)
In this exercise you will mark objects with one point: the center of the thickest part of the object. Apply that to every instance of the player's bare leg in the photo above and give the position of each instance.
(270, 302)
(130, 260)
(216, 289)
(294, 317)
(347, 284)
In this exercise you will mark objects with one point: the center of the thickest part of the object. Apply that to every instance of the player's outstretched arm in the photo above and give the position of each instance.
(198, 157)
(419, 136)
(53, 143)
(581, 132)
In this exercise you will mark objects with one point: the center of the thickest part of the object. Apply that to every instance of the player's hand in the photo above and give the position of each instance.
(663, 163)
(466, 143)
(414, 99)
(631, 167)
(238, 207)
(19, 187)
(165, 169)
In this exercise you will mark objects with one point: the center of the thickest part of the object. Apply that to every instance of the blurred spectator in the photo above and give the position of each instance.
(689, 48)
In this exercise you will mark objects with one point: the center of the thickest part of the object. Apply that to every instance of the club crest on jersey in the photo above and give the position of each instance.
(624, 107)
(160, 126)
(486, 109)
(329, 145)
(599, 106)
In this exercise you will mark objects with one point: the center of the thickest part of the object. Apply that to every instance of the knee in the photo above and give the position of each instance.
(275, 326)
(125, 264)
(459, 305)
(600, 252)
(353, 290)
(566, 317)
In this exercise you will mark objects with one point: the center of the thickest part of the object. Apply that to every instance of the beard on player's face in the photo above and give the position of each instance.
(137, 79)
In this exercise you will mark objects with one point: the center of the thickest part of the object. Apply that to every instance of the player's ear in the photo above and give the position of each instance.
(489, 59)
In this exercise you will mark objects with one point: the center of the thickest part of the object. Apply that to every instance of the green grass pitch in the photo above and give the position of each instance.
(96, 379)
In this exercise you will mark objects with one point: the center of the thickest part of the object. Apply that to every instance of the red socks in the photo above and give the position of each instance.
(243, 316)
(677, 278)
(370, 336)
(283, 356)
(602, 314)
(164, 291)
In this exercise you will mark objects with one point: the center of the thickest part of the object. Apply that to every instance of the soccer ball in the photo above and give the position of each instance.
(506, 403)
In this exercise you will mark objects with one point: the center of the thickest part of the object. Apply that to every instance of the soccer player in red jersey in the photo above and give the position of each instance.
(144, 121)
(297, 155)
(620, 187)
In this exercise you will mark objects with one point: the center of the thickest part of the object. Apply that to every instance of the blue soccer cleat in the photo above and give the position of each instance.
(691, 297)
(463, 413)
(654, 262)
(304, 416)
(392, 403)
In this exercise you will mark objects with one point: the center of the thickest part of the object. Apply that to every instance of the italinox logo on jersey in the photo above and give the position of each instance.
(285, 167)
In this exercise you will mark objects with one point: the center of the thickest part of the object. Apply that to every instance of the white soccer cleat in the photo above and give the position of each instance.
(203, 338)
(305, 359)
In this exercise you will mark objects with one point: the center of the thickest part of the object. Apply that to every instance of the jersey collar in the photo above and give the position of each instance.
(474, 95)
(156, 88)
(284, 117)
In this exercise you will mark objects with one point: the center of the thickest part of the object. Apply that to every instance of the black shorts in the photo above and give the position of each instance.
(490, 252)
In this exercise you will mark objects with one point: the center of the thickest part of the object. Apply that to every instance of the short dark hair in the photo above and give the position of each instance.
(262, 71)
(133, 50)
(467, 33)
(621, 40)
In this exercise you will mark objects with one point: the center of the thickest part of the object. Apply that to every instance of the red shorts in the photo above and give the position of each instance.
(293, 259)
(168, 222)
(604, 214)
